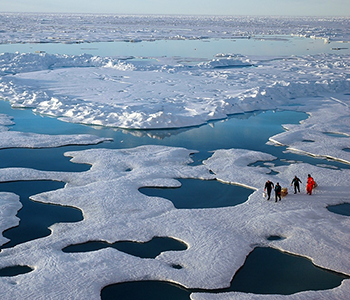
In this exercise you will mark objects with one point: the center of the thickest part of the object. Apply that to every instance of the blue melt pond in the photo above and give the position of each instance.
(195, 193)
(14, 271)
(150, 249)
(341, 209)
(265, 271)
(35, 217)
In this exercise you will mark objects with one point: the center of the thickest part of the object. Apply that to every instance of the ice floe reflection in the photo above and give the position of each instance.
(195, 193)
(265, 271)
(150, 249)
(36, 217)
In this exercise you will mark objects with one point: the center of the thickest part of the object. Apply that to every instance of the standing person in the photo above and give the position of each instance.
(268, 188)
(310, 184)
(296, 181)
(278, 190)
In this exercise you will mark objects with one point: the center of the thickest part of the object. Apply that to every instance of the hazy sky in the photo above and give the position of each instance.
(211, 7)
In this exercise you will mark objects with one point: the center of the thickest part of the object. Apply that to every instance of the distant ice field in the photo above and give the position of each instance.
(80, 28)
(144, 71)
(165, 92)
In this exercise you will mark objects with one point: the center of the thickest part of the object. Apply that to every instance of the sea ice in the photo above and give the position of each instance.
(131, 94)
(165, 94)
(73, 28)
(9, 205)
(16, 139)
(5, 121)
(310, 137)
(218, 239)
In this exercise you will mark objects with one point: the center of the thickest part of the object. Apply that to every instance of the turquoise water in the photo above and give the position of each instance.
(207, 48)
(244, 131)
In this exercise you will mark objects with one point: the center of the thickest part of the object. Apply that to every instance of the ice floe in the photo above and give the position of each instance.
(9, 205)
(135, 95)
(310, 137)
(15, 139)
(5, 121)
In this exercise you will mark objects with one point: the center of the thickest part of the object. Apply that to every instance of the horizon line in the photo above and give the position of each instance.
(171, 14)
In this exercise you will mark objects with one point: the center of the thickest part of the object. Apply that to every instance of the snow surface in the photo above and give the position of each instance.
(16, 139)
(9, 205)
(163, 94)
(218, 239)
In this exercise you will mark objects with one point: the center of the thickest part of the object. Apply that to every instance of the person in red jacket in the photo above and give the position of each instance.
(310, 184)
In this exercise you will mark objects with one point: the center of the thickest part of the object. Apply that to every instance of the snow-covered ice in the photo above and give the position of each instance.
(218, 239)
(162, 93)
(15, 139)
(109, 92)
(79, 28)
(135, 95)
(9, 205)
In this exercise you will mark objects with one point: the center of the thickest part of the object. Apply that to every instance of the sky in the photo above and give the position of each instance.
(191, 7)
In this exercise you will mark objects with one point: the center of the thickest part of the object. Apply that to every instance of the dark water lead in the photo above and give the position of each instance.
(332, 134)
(196, 193)
(36, 217)
(275, 238)
(308, 141)
(341, 209)
(45, 159)
(265, 271)
(14, 271)
(150, 249)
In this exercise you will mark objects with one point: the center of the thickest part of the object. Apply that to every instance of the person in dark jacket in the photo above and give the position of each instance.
(278, 190)
(296, 181)
(268, 188)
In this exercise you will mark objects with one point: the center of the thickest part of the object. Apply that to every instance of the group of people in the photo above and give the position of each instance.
(278, 189)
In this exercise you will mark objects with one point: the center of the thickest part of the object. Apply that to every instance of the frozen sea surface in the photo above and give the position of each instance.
(164, 93)
(79, 28)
